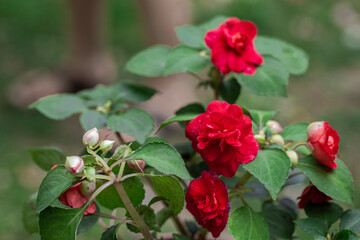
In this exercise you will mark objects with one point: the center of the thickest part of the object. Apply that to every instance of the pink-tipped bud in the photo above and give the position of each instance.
(274, 127)
(293, 158)
(88, 188)
(91, 137)
(313, 127)
(136, 165)
(277, 138)
(106, 145)
(74, 165)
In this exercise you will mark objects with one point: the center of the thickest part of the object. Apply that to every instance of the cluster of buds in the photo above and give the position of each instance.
(123, 151)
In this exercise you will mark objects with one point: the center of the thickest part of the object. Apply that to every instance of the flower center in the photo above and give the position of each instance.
(239, 41)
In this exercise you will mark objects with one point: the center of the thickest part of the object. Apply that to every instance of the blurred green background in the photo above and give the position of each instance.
(32, 36)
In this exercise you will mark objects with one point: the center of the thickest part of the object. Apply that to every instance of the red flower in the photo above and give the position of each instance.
(313, 195)
(75, 199)
(325, 142)
(223, 136)
(207, 199)
(232, 47)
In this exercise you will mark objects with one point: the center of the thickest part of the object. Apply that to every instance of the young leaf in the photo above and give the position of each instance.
(91, 119)
(230, 90)
(336, 183)
(149, 62)
(261, 117)
(60, 224)
(59, 106)
(110, 233)
(163, 158)
(326, 212)
(271, 167)
(170, 188)
(293, 58)
(109, 198)
(135, 122)
(271, 78)
(314, 227)
(53, 185)
(46, 158)
(148, 214)
(192, 36)
(351, 220)
(245, 224)
(163, 215)
(30, 217)
(184, 59)
(178, 118)
(295, 132)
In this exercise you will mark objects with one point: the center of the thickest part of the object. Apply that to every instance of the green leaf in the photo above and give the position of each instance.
(57, 181)
(322, 177)
(148, 214)
(230, 90)
(110, 233)
(178, 118)
(163, 215)
(214, 22)
(351, 220)
(180, 237)
(293, 58)
(46, 158)
(192, 36)
(163, 158)
(314, 227)
(245, 224)
(109, 198)
(295, 132)
(271, 78)
(346, 235)
(184, 59)
(149, 62)
(261, 117)
(60, 224)
(271, 167)
(134, 121)
(191, 108)
(59, 106)
(30, 217)
(326, 212)
(132, 92)
(170, 188)
(87, 222)
(91, 119)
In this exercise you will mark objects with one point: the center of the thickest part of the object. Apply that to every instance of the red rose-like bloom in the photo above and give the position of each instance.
(325, 142)
(313, 195)
(74, 198)
(223, 136)
(232, 47)
(207, 199)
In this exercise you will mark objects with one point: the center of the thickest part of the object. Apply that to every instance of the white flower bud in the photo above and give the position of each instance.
(91, 137)
(74, 165)
(277, 138)
(293, 158)
(106, 144)
(274, 127)
(88, 188)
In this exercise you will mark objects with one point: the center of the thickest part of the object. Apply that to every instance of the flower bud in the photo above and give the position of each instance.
(260, 137)
(91, 137)
(74, 165)
(293, 158)
(106, 145)
(122, 151)
(90, 171)
(136, 165)
(88, 188)
(274, 127)
(313, 127)
(277, 138)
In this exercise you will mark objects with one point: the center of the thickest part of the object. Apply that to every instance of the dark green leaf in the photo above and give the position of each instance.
(59, 224)
(163, 215)
(192, 36)
(163, 158)
(271, 78)
(191, 108)
(314, 227)
(178, 118)
(148, 214)
(170, 188)
(87, 222)
(149, 62)
(351, 220)
(346, 235)
(184, 59)
(245, 224)
(53, 185)
(59, 106)
(46, 158)
(293, 58)
(322, 177)
(327, 212)
(132, 92)
(271, 167)
(230, 90)
(110, 233)
(135, 122)
(109, 198)
(295, 132)
(91, 119)
(29, 216)
(180, 237)
(261, 117)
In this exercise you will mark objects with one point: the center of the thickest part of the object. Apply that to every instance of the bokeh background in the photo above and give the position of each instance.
(35, 38)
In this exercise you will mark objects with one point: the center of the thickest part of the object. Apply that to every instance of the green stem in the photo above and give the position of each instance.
(109, 216)
(100, 176)
(121, 171)
(202, 235)
(134, 214)
(295, 143)
(99, 159)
